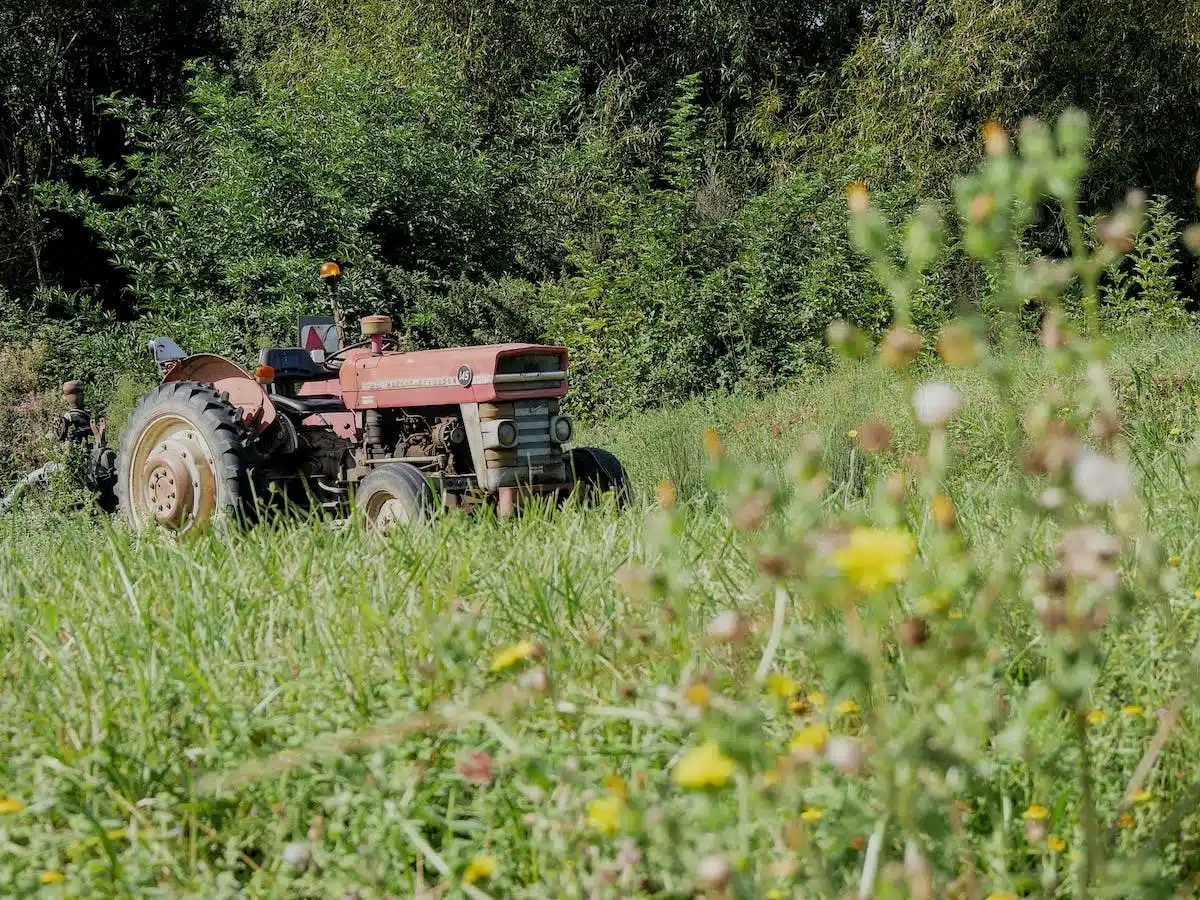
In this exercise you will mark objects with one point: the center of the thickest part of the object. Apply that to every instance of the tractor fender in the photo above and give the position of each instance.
(226, 376)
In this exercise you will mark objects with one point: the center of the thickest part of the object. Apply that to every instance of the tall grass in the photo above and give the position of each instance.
(292, 710)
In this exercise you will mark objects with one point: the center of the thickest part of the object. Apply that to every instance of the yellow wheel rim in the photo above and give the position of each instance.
(172, 476)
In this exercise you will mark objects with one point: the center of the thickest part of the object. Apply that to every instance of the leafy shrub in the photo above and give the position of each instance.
(1141, 288)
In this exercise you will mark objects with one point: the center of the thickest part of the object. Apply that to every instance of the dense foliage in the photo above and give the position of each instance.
(658, 185)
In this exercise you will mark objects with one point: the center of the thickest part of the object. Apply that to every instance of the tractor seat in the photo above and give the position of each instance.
(293, 364)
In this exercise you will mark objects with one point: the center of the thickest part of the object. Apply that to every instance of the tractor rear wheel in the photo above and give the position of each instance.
(395, 494)
(184, 459)
(598, 472)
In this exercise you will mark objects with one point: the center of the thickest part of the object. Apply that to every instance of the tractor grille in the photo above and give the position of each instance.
(527, 371)
(536, 457)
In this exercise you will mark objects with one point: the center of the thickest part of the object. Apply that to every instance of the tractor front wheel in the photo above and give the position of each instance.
(598, 472)
(184, 458)
(395, 494)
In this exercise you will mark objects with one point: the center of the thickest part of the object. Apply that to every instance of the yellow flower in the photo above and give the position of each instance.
(1055, 844)
(798, 706)
(955, 615)
(1096, 717)
(52, 876)
(704, 766)
(781, 686)
(510, 656)
(810, 737)
(1174, 561)
(604, 814)
(478, 868)
(698, 695)
(616, 784)
(1196, 593)
(1133, 709)
(811, 814)
(817, 699)
(1001, 895)
(10, 805)
(1140, 796)
(1037, 812)
(876, 557)
(852, 433)
(1125, 820)
(774, 894)
(846, 708)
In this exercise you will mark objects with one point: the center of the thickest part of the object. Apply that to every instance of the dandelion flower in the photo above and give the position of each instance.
(810, 737)
(604, 814)
(479, 868)
(52, 876)
(704, 766)
(817, 699)
(1133, 710)
(781, 686)
(10, 805)
(1174, 561)
(852, 433)
(510, 656)
(846, 708)
(811, 814)
(798, 706)
(1055, 844)
(616, 784)
(876, 557)
(1142, 796)
(1097, 717)
(1037, 812)
(1001, 895)
(1125, 820)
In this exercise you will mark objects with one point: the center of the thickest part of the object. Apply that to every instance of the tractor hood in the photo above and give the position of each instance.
(459, 375)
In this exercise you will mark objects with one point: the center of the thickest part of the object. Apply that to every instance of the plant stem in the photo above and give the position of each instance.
(1087, 796)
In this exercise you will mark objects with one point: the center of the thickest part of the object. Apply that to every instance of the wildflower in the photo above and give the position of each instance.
(845, 754)
(712, 444)
(874, 558)
(52, 876)
(900, 347)
(704, 766)
(10, 805)
(535, 680)
(714, 872)
(1055, 844)
(604, 814)
(955, 614)
(1174, 561)
(798, 706)
(852, 433)
(666, 493)
(728, 628)
(935, 402)
(1097, 717)
(995, 141)
(615, 784)
(809, 739)
(941, 508)
(1125, 820)
(1133, 710)
(774, 894)
(1099, 479)
(811, 814)
(1090, 554)
(1037, 812)
(817, 699)
(874, 437)
(781, 686)
(476, 767)
(1001, 895)
(298, 855)
(510, 656)
(956, 345)
(479, 868)
(1142, 796)
(857, 197)
(698, 695)
(846, 708)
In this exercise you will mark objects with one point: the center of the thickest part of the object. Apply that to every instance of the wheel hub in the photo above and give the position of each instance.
(172, 475)
(169, 488)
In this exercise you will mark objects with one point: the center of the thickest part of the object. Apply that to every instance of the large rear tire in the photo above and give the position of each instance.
(395, 494)
(184, 459)
(598, 472)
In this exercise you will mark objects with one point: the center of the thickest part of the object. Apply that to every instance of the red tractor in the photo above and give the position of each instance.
(402, 434)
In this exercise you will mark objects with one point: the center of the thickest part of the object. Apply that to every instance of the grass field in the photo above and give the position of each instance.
(515, 708)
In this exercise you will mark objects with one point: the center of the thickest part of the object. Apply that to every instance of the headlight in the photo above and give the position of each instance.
(506, 433)
(561, 429)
